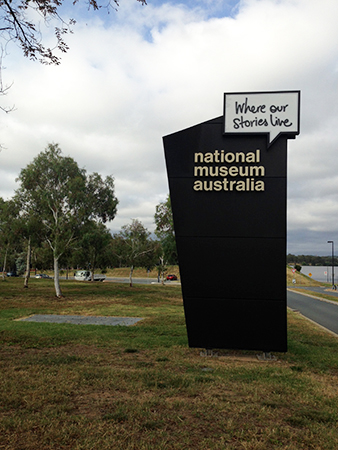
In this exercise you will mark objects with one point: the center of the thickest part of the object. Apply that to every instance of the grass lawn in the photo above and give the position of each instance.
(75, 387)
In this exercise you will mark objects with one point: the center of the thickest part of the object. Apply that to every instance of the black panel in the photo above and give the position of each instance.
(208, 137)
(229, 214)
(236, 324)
(231, 243)
(248, 268)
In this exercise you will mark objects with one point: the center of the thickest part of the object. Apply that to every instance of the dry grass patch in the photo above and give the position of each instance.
(117, 398)
(301, 279)
(76, 387)
(140, 272)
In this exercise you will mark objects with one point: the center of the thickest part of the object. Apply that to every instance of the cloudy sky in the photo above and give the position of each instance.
(135, 75)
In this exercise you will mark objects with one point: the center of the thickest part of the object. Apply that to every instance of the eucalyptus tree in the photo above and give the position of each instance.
(93, 247)
(137, 247)
(10, 236)
(41, 256)
(65, 198)
(31, 227)
(118, 253)
(165, 231)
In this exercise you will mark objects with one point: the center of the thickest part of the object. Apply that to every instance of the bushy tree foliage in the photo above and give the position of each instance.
(29, 227)
(65, 198)
(10, 236)
(42, 257)
(136, 248)
(93, 247)
(32, 228)
(311, 260)
(118, 253)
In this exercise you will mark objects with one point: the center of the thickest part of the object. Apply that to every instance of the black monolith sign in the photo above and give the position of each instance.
(227, 182)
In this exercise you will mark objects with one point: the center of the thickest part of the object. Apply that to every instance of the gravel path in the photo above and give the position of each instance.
(83, 320)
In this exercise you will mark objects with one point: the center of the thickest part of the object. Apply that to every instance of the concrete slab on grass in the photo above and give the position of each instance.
(83, 320)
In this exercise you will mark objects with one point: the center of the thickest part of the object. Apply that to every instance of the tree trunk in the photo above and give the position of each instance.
(5, 262)
(28, 263)
(162, 268)
(131, 276)
(58, 292)
(93, 267)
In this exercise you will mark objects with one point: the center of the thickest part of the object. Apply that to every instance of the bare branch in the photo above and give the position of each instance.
(18, 26)
(4, 89)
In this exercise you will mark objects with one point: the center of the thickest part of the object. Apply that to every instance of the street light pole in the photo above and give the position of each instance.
(331, 242)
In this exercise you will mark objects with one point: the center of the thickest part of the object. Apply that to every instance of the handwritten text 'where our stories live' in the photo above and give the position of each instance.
(273, 113)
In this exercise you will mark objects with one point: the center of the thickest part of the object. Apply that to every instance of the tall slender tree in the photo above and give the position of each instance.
(9, 230)
(65, 198)
(137, 247)
(31, 227)
(165, 231)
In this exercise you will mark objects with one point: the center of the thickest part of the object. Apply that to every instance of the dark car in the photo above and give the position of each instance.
(171, 277)
(12, 274)
(42, 275)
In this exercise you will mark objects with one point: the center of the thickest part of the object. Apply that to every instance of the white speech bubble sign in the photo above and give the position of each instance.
(271, 113)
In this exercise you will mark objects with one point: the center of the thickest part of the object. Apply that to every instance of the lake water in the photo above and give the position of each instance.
(321, 273)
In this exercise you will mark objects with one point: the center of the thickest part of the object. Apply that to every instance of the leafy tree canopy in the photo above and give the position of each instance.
(94, 247)
(311, 260)
(10, 232)
(65, 198)
(135, 246)
(165, 230)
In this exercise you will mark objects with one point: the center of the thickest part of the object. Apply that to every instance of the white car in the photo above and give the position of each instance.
(86, 275)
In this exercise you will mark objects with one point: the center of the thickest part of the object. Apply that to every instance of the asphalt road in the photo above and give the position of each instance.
(321, 312)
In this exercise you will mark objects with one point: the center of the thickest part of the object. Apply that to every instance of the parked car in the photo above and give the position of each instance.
(86, 275)
(171, 277)
(12, 274)
(42, 275)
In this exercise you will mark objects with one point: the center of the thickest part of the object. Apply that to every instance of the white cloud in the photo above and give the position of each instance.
(145, 72)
